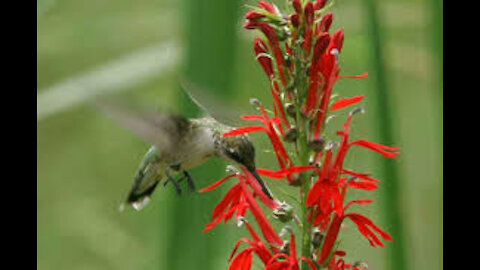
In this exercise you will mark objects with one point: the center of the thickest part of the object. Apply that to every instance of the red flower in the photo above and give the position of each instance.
(244, 259)
(238, 200)
(366, 227)
(269, 127)
(289, 262)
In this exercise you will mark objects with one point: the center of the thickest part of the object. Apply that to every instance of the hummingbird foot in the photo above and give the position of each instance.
(191, 184)
(178, 189)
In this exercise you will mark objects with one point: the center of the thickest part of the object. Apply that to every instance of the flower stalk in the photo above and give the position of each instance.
(301, 58)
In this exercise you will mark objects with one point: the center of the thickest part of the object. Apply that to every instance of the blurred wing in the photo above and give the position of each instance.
(158, 129)
(212, 105)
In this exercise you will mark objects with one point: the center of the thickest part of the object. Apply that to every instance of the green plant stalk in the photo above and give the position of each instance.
(391, 201)
(303, 156)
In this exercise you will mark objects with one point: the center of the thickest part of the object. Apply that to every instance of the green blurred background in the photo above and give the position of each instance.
(141, 50)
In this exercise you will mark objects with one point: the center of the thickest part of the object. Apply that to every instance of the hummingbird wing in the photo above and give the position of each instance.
(162, 130)
(212, 105)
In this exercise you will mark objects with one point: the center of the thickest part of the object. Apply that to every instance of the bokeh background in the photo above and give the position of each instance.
(142, 51)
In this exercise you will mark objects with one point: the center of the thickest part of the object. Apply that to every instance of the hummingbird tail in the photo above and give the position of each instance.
(139, 200)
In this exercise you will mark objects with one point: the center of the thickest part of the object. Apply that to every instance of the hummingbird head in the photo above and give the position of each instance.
(241, 150)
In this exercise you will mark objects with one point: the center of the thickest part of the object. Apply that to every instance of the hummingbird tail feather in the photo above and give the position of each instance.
(139, 200)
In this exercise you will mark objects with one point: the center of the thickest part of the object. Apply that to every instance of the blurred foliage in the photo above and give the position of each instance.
(85, 162)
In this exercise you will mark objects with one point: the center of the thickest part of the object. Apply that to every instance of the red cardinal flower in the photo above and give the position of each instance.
(289, 261)
(243, 260)
(238, 200)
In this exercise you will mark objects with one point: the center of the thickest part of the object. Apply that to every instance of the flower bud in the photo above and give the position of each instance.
(297, 180)
(254, 15)
(297, 5)
(316, 144)
(294, 19)
(317, 238)
(283, 212)
(319, 4)
(360, 266)
(291, 134)
(291, 110)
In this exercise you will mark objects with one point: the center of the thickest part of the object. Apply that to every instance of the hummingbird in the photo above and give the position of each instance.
(180, 144)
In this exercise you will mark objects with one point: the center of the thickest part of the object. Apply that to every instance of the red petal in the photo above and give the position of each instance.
(216, 184)
(243, 130)
(379, 148)
(268, 6)
(253, 117)
(232, 194)
(356, 77)
(361, 220)
(360, 201)
(342, 103)
(330, 238)
(360, 175)
(271, 174)
(326, 22)
(268, 231)
(363, 185)
(319, 4)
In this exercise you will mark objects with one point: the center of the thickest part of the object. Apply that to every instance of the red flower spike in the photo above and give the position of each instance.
(342, 103)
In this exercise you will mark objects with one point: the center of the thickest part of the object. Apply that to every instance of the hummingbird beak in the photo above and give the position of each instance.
(260, 181)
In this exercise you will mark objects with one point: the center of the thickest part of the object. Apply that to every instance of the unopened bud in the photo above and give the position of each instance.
(291, 110)
(297, 180)
(231, 169)
(360, 265)
(240, 221)
(255, 102)
(291, 134)
(294, 19)
(290, 87)
(357, 110)
(283, 212)
(285, 249)
(316, 145)
(317, 238)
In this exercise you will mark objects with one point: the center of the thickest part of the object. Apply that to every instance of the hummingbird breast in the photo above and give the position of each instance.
(195, 148)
